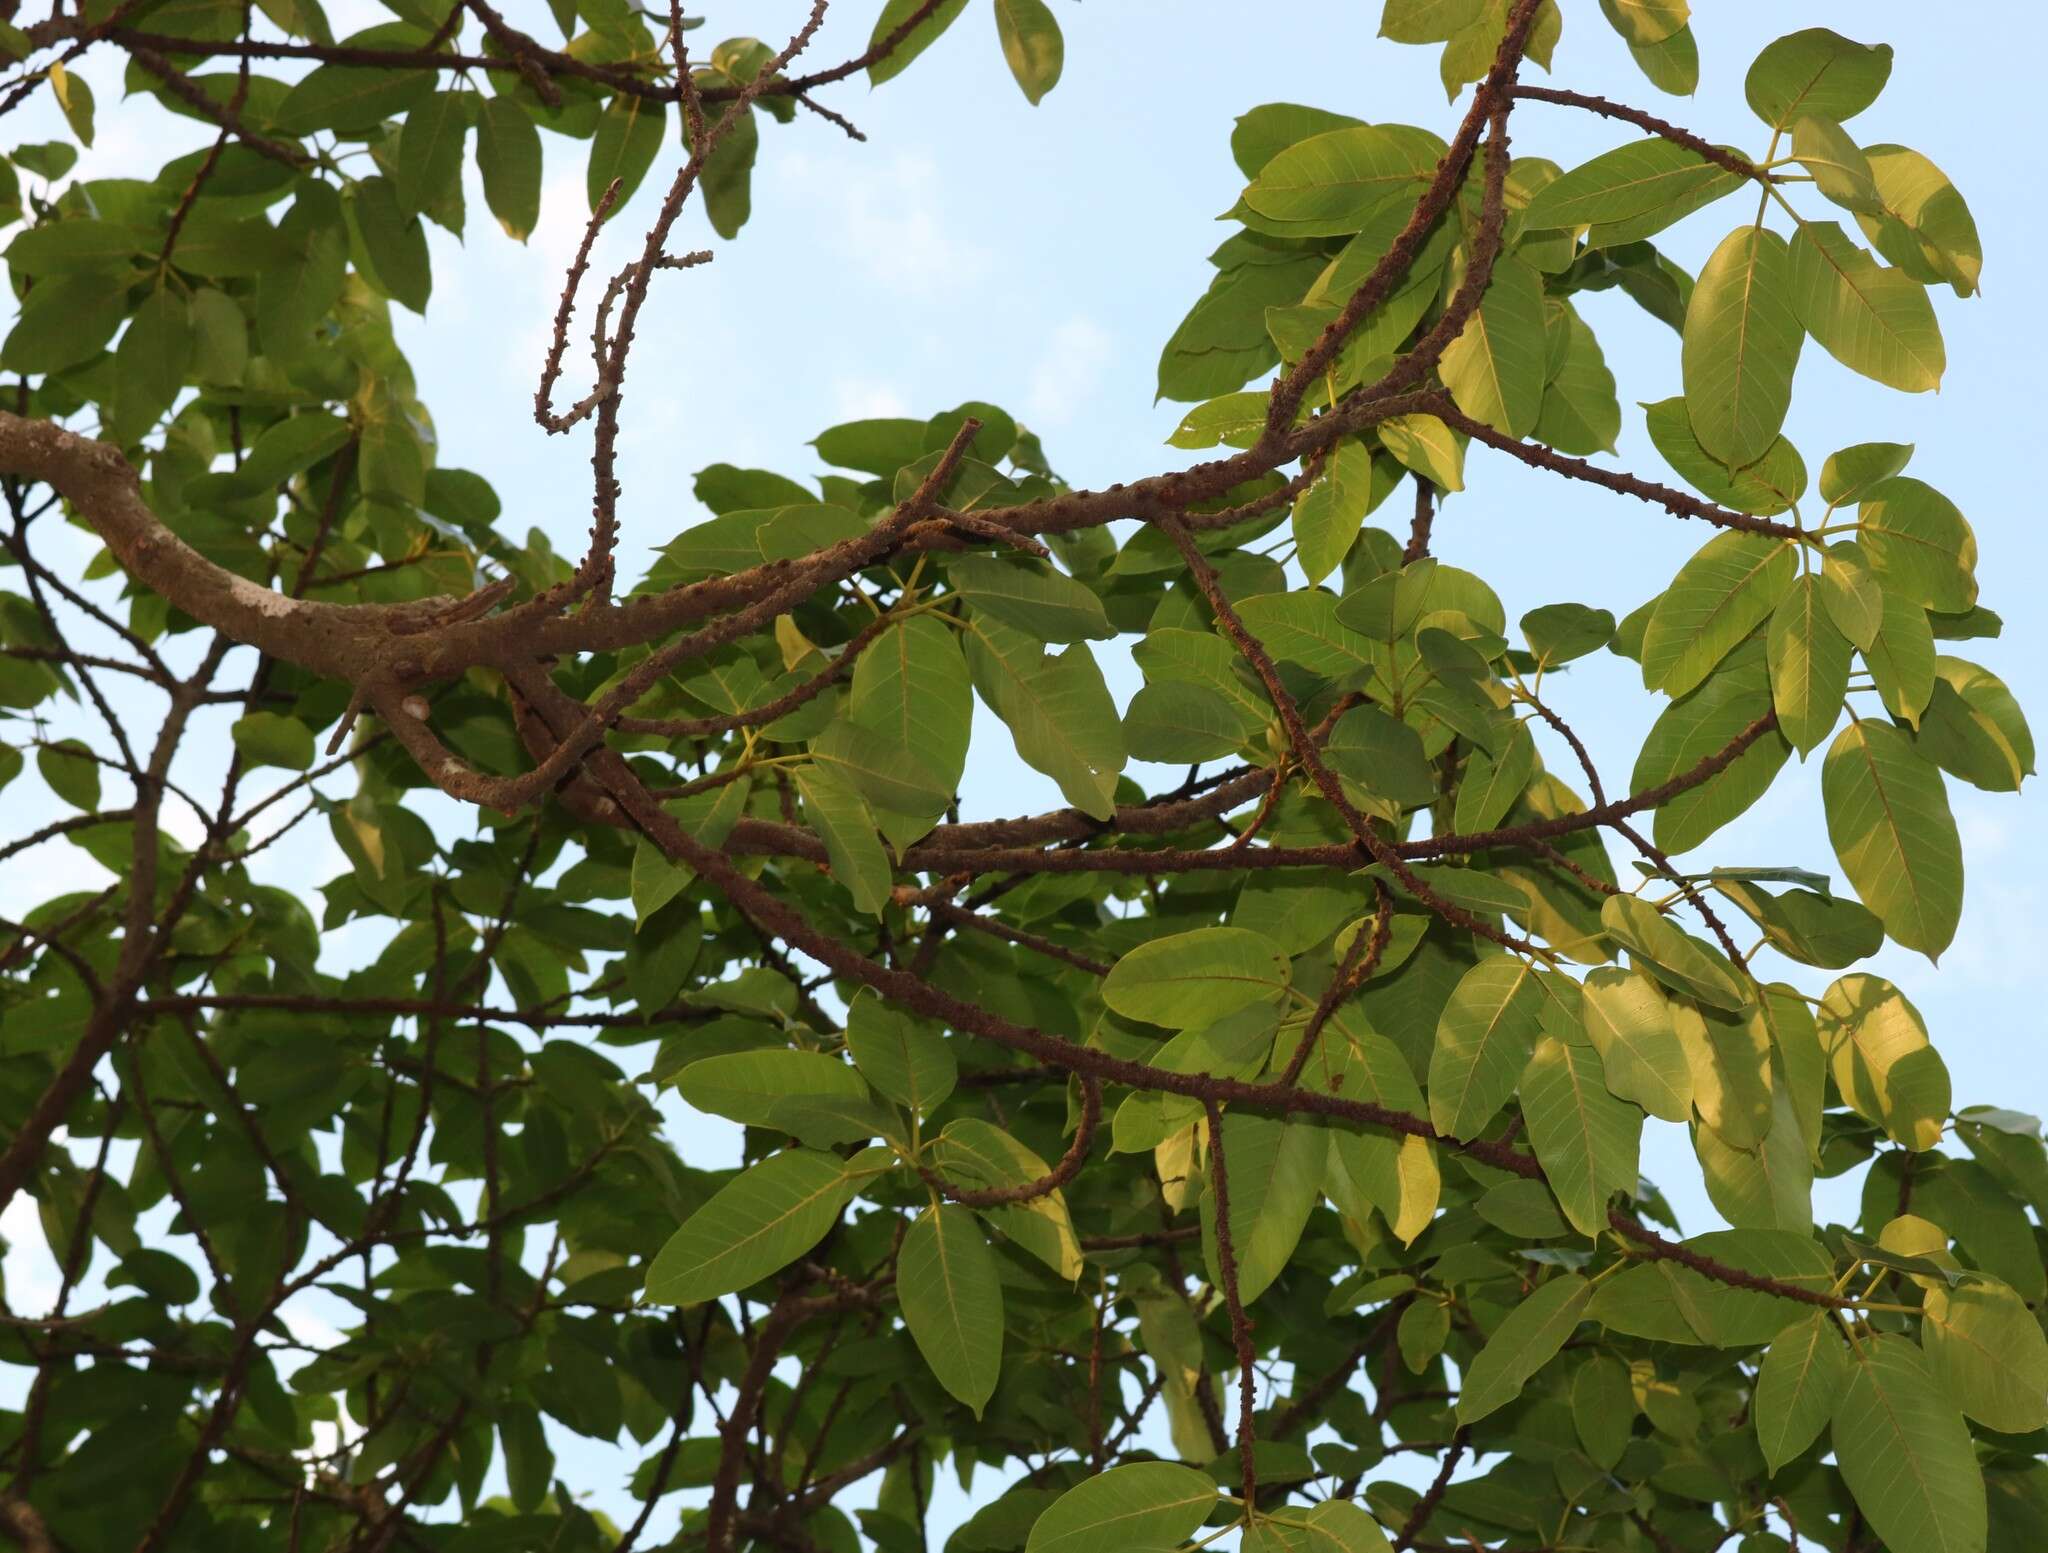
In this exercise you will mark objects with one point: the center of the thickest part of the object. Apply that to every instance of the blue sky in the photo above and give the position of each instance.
(978, 247)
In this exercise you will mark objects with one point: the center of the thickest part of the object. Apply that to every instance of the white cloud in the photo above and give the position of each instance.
(887, 219)
(860, 398)
(1068, 373)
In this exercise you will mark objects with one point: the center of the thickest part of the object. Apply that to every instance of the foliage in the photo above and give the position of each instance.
(1283, 1121)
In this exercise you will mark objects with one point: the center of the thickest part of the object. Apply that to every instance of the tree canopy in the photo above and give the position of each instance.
(1169, 1167)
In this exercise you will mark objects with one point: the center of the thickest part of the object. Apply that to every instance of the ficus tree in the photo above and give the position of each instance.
(1168, 1168)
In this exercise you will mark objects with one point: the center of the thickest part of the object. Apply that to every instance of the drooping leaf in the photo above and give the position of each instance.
(760, 1221)
(1144, 1504)
(1032, 45)
(1730, 587)
(1629, 1023)
(1873, 320)
(1586, 1138)
(1889, 821)
(1799, 1385)
(1483, 1041)
(1905, 1452)
(1741, 345)
(1187, 980)
(953, 1302)
(1522, 1344)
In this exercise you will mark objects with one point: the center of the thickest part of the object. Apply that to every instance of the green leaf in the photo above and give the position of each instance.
(1645, 22)
(289, 447)
(1768, 1185)
(69, 770)
(1580, 412)
(1671, 955)
(1974, 728)
(1629, 1023)
(1559, 633)
(395, 242)
(655, 881)
(1483, 1041)
(1926, 228)
(1873, 320)
(1671, 66)
(628, 138)
(978, 1154)
(1888, 819)
(1729, 588)
(876, 447)
(1850, 472)
(1809, 661)
(728, 176)
(817, 1098)
(1811, 928)
(220, 338)
(1586, 1140)
(1057, 708)
(1032, 46)
(1527, 1339)
(903, 1058)
(914, 41)
(911, 687)
(1851, 595)
(428, 160)
(1986, 1350)
(1491, 786)
(153, 360)
(844, 822)
(1603, 1408)
(1741, 345)
(1495, 367)
(1426, 445)
(1918, 543)
(64, 246)
(74, 101)
(1382, 755)
(1699, 724)
(1421, 1332)
(349, 97)
(529, 1463)
(1303, 628)
(1276, 1171)
(1816, 72)
(1840, 169)
(952, 1302)
(1234, 420)
(1765, 488)
(508, 155)
(1175, 721)
(1145, 1504)
(757, 1223)
(1730, 1058)
(1187, 980)
(889, 776)
(1905, 1453)
(293, 299)
(1031, 597)
(1884, 1066)
(1330, 184)
(273, 739)
(1798, 1386)
(1647, 184)
(1328, 514)
(1339, 1526)
(1426, 21)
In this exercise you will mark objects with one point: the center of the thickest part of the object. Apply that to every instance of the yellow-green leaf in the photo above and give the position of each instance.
(1740, 346)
